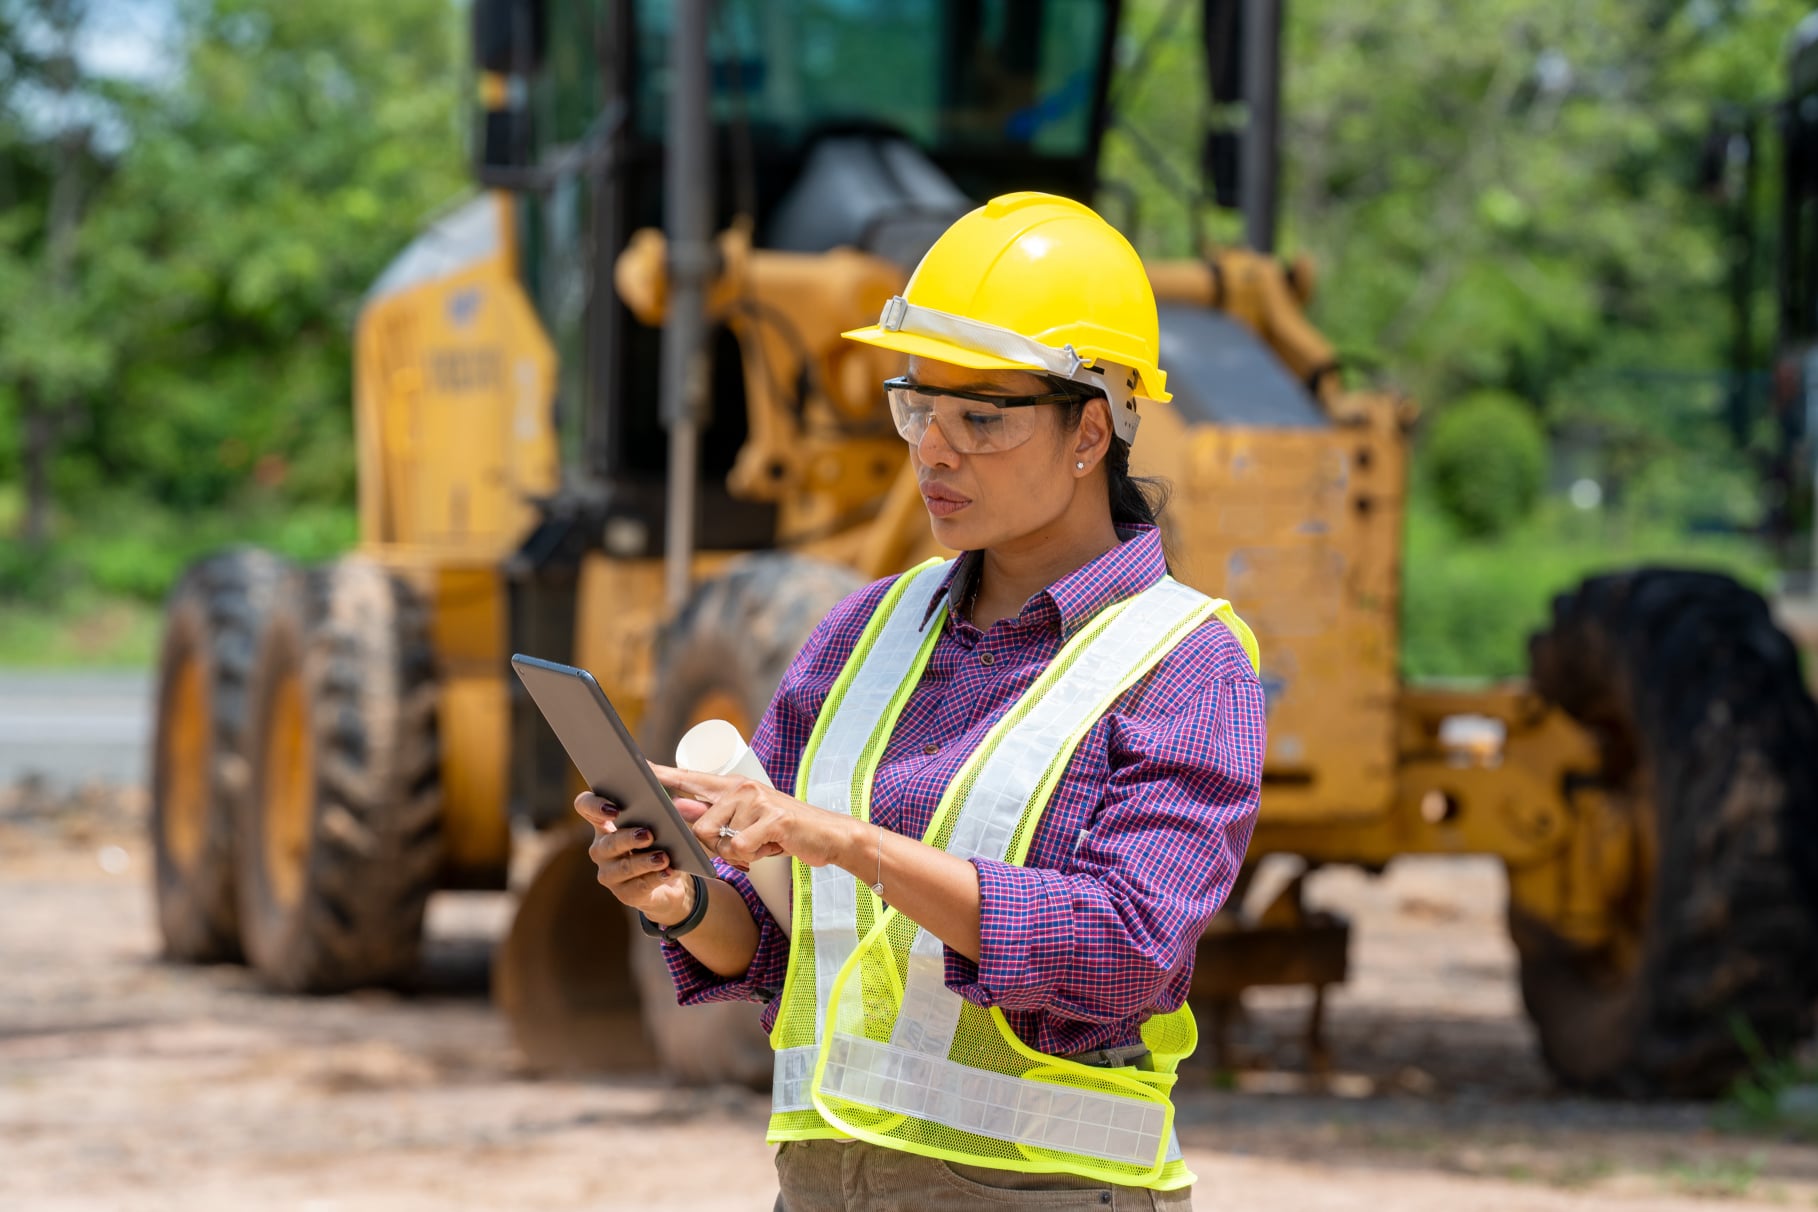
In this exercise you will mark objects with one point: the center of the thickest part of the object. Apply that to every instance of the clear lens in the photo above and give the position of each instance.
(970, 426)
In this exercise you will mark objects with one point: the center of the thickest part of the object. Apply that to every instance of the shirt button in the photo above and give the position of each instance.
(985, 658)
(930, 749)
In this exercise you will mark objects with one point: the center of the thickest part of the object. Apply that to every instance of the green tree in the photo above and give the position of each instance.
(48, 357)
(256, 200)
(1498, 193)
(176, 313)
(1501, 195)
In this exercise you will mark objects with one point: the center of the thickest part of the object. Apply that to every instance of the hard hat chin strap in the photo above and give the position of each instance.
(1117, 382)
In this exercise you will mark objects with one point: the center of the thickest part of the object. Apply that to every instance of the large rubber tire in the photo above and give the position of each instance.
(724, 656)
(340, 845)
(200, 770)
(1709, 739)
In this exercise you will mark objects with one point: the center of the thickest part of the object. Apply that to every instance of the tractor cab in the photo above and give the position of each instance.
(833, 126)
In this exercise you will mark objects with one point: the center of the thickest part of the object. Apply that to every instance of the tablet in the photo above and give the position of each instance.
(601, 748)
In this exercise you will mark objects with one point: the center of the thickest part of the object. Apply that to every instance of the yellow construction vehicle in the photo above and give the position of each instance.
(604, 415)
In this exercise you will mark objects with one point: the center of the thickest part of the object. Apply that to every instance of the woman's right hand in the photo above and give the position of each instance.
(637, 875)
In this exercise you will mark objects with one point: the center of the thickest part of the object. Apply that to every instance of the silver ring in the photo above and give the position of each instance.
(728, 831)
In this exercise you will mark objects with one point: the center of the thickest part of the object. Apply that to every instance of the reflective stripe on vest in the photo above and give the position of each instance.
(795, 1070)
(912, 1090)
(857, 711)
(839, 779)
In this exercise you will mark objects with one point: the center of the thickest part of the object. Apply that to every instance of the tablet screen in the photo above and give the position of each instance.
(602, 749)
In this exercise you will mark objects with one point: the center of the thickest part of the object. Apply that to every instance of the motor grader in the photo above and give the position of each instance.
(604, 415)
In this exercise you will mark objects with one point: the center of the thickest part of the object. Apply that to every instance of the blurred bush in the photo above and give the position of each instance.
(1486, 458)
(31, 576)
(1470, 604)
(127, 550)
(182, 257)
(1498, 195)
(1692, 493)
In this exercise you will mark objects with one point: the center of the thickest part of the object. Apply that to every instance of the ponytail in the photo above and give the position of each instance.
(1135, 500)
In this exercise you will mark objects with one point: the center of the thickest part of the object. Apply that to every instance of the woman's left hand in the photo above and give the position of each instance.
(766, 821)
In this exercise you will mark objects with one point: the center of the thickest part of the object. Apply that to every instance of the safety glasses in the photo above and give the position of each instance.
(973, 422)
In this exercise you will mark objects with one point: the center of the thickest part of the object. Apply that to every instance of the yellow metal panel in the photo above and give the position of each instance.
(617, 613)
(1283, 523)
(469, 623)
(475, 724)
(455, 385)
(467, 627)
(1571, 860)
(482, 434)
(618, 616)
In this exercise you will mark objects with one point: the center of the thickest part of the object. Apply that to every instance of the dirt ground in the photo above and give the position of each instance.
(128, 1083)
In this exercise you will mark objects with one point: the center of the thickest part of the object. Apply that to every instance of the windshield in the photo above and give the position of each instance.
(955, 75)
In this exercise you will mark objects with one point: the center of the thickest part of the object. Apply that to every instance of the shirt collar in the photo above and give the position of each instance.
(1127, 569)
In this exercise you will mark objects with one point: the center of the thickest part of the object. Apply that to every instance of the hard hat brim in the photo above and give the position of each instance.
(918, 346)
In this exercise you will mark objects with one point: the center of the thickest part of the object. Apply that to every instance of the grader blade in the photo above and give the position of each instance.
(563, 974)
(585, 992)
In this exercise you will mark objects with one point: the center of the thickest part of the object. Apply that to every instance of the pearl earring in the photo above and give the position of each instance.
(1081, 466)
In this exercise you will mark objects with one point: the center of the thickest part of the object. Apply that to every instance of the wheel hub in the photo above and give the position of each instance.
(184, 764)
(287, 806)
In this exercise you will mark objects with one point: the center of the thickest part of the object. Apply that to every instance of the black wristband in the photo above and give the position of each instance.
(696, 916)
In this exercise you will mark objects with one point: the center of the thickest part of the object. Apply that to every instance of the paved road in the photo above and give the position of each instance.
(70, 728)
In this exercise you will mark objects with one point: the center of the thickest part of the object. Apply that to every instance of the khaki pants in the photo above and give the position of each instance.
(853, 1176)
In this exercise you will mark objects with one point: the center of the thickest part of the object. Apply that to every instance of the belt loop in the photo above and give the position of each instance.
(1113, 1058)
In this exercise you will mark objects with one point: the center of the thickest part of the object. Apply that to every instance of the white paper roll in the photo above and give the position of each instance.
(715, 747)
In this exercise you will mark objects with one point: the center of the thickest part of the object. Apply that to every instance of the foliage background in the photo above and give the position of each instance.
(192, 361)
(1502, 196)
(1499, 196)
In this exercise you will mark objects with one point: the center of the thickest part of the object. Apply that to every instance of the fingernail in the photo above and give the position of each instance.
(644, 835)
(658, 859)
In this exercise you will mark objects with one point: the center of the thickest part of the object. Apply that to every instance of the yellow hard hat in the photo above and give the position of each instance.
(1033, 282)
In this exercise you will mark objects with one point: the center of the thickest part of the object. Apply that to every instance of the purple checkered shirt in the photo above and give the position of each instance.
(1136, 851)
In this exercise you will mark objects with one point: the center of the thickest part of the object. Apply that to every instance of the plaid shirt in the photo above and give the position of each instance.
(1136, 851)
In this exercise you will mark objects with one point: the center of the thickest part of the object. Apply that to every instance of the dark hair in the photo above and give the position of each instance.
(1135, 500)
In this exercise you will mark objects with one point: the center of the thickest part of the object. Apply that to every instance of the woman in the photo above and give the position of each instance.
(1023, 780)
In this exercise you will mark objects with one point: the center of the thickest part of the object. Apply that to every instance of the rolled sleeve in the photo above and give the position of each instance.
(1026, 941)
(697, 984)
(1112, 932)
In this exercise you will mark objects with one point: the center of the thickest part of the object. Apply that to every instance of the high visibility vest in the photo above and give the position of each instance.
(870, 1042)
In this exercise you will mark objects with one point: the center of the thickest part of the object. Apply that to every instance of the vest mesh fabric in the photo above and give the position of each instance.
(940, 1076)
(798, 1025)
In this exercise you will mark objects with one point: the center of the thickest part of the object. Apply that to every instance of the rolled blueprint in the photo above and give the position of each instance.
(715, 747)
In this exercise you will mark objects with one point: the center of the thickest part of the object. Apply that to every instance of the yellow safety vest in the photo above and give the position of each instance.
(870, 1042)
